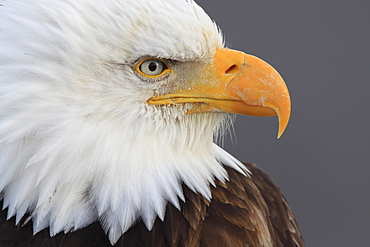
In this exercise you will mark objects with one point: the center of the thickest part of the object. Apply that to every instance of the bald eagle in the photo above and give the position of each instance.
(108, 114)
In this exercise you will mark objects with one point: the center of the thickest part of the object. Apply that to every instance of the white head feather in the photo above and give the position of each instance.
(78, 142)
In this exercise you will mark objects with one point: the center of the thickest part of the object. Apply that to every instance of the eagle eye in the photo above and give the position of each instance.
(152, 68)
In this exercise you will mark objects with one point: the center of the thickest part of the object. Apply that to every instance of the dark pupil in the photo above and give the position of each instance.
(152, 66)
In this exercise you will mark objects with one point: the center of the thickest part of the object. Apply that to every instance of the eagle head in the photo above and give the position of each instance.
(108, 107)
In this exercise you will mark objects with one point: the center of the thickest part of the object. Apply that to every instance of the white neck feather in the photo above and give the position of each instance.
(81, 171)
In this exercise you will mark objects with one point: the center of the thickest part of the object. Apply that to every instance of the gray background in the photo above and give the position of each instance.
(321, 163)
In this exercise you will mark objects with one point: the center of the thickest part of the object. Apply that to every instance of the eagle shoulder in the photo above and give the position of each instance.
(243, 211)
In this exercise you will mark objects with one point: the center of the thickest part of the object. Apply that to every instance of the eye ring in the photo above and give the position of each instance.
(152, 68)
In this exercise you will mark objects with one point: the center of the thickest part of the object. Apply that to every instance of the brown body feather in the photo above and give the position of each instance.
(243, 212)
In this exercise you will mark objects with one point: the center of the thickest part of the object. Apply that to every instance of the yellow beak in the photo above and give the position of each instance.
(238, 83)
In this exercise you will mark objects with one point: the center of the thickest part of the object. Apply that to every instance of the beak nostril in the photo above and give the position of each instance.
(233, 69)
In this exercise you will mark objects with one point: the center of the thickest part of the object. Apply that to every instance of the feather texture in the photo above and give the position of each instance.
(230, 219)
